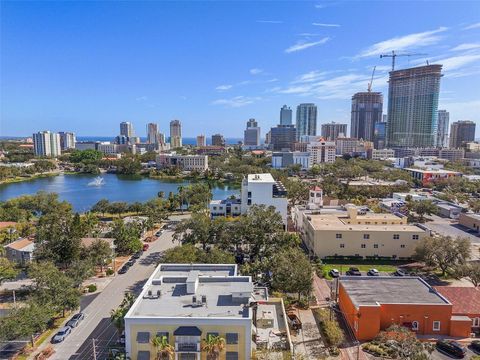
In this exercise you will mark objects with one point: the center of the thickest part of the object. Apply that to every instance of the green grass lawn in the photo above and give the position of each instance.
(362, 267)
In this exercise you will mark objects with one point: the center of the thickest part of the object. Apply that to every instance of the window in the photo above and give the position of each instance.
(436, 326)
(375, 246)
(476, 322)
(231, 338)
(402, 246)
(143, 337)
(214, 208)
(396, 236)
(363, 246)
(415, 325)
(249, 202)
(162, 334)
(366, 236)
(232, 355)
(249, 194)
(342, 245)
(415, 237)
(338, 236)
(143, 355)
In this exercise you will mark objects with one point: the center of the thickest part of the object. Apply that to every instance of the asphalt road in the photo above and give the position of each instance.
(96, 325)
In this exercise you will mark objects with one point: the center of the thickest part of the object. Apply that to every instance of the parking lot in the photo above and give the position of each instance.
(436, 355)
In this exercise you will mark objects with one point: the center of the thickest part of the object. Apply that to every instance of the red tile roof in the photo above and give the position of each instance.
(7, 224)
(465, 300)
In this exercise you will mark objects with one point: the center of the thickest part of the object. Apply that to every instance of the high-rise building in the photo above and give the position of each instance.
(331, 131)
(442, 132)
(126, 129)
(201, 141)
(379, 135)
(413, 106)
(175, 134)
(46, 143)
(67, 140)
(218, 140)
(321, 152)
(461, 132)
(306, 120)
(282, 137)
(367, 110)
(153, 136)
(251, 135)
(285, 115)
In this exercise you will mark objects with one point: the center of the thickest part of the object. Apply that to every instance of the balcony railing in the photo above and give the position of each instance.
(187, 347)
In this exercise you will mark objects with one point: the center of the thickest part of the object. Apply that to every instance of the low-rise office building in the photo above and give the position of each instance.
(185, 303)
(184, 162)
(380, 154)
(371, 304)
(427, 176)
(470, 220)
(451, 154)
(225, 207)
(284, 159)
(354, 233)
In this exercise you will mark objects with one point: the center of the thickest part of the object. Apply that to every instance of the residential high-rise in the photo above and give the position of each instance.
(67, 140)
(46, 143)
(321, 152)
(285, 115)
(251, 135)
(201, 141)
(126, 129)
(442, 132)
(218, 140)
(175, 134)
(332, 130)
(413, 106)
(282, 137)
(306, 120)
(153, 136)
(461, 132)
(367, 110)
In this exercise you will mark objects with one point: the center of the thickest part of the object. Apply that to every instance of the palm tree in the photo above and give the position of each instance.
(163, 348)
(116, 317)
(213, 346)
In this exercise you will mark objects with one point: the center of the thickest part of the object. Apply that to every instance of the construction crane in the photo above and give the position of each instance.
(369, 87)
(393, 55)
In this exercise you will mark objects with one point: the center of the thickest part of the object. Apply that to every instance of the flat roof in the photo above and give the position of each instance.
(433, 171)
(267, 177)
(370, 290)
(194, 290)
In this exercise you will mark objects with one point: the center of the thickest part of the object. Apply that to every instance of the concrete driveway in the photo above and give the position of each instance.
(79, 345)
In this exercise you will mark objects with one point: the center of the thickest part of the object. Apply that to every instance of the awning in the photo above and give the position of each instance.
(187, 331)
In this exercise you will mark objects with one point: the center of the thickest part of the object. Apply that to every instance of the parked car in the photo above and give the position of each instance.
(451, 348)
(159, 233)
(400, 272)
(75, 320)
(353, 271)
(373, 272)
(131, 262)
(137, 255)
(123, 269)
(475, 345)
(145, 247)
(334, 273)
(61, 334)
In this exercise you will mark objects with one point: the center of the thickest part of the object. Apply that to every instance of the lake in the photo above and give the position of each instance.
(76, 189)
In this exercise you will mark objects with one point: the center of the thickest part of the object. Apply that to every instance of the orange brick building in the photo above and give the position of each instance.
(371, 304)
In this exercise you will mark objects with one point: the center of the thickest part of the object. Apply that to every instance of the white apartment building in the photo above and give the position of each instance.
(225, 207)
(382, 154)
(46, 143)
(184, 162)
(262, 189)
(67, 140)
(321, 152)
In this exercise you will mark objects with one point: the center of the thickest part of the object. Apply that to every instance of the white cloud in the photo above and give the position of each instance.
(223, 87)
(400, 43)
(456, 62)
(141, 98)
(325, 25)
(308, 34)
(467, 46)
(473, 26)
(320, 6)
(272, 80)
(302, 45)
(270, 21)
(256, 71)
(311, 76)
(237, 101)
(461, 110)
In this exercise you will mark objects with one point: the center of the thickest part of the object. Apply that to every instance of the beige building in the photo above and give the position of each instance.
(321, 152)
(184, 162)
(470, 220)
(185, 303)
(351, 233)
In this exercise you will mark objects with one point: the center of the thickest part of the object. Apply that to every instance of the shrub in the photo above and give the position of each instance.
(92, 288)
(109, 272)
(330, 328)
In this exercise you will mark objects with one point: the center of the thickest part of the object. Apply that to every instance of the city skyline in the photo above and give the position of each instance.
(309, 56)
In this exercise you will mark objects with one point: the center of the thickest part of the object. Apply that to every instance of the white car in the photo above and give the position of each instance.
(334, 273)
(373, 272)
(61, 334)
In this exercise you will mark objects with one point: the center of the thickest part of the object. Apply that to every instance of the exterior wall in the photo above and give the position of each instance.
(321, 152)
(428, 176)
(460, 328)
(382, 154)
(222, 326)
(186, 162)
(18, 256)
(471, 221)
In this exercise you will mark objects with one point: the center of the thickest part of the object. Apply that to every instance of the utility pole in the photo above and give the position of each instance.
(94, 350)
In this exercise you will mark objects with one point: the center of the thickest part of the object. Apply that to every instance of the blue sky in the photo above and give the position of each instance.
(87, 66)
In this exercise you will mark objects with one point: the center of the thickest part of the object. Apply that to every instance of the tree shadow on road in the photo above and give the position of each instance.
(137, 287)
(151, 259)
